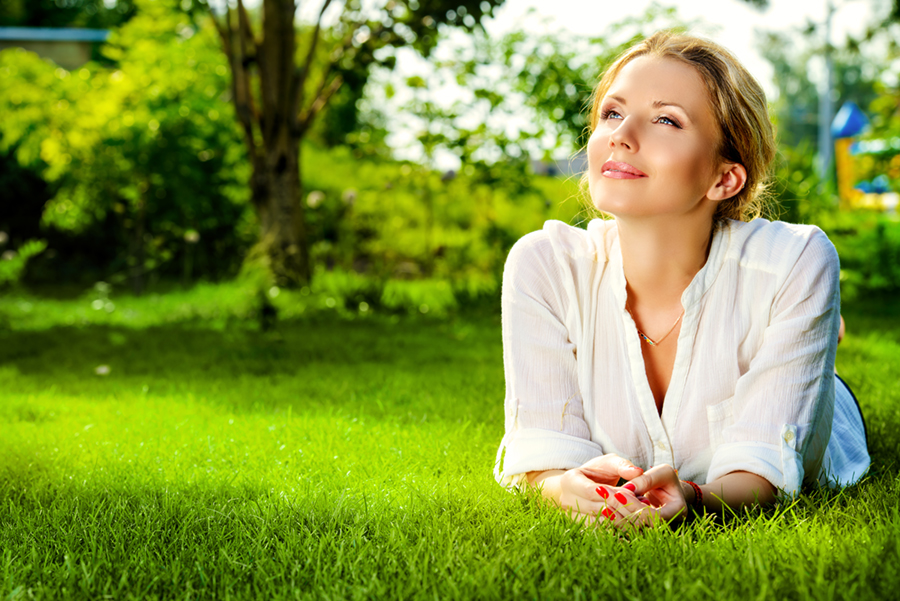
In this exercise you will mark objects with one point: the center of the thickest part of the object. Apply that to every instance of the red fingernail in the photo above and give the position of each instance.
(644, 500)
(607, 513)
(630, 486)
(621, 498)
(602, 492)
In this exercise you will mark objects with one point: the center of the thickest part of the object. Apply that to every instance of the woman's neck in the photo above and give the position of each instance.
(661, 257)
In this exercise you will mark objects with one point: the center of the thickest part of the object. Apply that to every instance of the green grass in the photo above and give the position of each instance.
(347, 456)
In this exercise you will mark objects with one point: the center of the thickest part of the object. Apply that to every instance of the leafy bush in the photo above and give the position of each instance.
(399, 222)
(144, 155)
(12, 263)
(868, 244)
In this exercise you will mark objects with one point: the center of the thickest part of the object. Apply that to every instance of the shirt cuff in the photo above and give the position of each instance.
(780, 464)
(534, 449)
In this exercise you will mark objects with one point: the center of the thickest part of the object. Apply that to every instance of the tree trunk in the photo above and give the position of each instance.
(283, 238)
(137, 251)
(274, 129)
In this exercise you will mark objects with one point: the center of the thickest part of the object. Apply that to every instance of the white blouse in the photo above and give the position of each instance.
(752, 388)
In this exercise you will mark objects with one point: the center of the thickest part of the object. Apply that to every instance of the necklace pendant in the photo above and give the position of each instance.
(646, 338)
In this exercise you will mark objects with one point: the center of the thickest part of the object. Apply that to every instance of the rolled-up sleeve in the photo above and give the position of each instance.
(544, 419)
(783, 405)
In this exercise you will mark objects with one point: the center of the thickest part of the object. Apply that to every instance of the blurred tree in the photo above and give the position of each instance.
(278, 93)
(795, 108)
(802, 192)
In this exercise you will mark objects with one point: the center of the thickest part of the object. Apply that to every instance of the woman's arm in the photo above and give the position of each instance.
(734, 490)
(658, 496)
(545, 426)
(783, 404)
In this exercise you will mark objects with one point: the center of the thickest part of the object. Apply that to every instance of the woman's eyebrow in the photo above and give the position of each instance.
(661, 103)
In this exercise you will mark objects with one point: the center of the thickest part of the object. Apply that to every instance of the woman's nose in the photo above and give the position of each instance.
(623, 136)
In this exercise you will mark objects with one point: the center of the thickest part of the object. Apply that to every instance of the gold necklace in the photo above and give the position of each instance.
(646, 338)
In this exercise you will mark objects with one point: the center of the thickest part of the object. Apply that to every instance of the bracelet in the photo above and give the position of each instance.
(697, 504)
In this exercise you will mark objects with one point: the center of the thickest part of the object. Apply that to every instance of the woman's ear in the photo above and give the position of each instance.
(731, 180)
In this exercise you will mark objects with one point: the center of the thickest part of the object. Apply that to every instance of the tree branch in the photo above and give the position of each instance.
(246, 33)
(315, 39)
(276, 63)
(323, 95)
(240, 88)
(296, 95)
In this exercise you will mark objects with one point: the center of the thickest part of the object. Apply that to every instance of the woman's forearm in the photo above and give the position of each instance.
(548, 482)
(734, 490)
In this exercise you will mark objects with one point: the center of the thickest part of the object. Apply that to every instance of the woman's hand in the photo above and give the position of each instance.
(654, 497)
(576, 490)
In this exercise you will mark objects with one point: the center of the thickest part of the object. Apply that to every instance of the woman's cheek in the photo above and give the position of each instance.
(597, 144)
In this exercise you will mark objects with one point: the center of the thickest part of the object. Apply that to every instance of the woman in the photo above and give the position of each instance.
(680, 347)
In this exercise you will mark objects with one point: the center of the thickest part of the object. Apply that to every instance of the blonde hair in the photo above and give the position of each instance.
(738, 104)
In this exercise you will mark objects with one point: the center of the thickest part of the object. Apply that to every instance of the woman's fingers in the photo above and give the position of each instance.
(579, 484)
(661, 486)
(609, 468)
(620, 500)
(658, 477)
(631, 517)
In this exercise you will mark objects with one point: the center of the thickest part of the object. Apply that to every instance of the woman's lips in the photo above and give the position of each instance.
(617, 170)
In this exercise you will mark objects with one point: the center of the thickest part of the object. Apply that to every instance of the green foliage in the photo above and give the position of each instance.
(796, 186)
(386, 27)
(249, 302)
(12, 263)
(403, 221)
(149, 148)
(868, 244)
(885, 126)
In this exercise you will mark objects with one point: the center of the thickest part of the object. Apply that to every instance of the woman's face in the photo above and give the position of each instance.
(653, 151)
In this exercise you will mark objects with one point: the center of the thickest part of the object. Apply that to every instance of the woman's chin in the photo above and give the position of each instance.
(618, 210)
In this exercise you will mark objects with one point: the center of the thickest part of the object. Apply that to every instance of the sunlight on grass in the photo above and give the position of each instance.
(351, 458)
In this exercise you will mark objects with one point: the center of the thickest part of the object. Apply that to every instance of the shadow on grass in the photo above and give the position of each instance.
(379, 365)
(189, 347)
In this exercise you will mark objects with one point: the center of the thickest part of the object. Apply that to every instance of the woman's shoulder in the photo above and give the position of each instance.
(565, 241)
(559, 256)
(777, 244)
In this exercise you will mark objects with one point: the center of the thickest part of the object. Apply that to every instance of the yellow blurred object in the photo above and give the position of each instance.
(850, 197)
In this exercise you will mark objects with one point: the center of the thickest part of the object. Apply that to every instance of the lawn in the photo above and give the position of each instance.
(165, 448)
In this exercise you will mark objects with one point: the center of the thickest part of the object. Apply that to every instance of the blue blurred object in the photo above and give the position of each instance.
(849, 121)
(53, 34)
(879, 185)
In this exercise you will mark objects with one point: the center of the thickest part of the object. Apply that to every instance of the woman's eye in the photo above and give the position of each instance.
(610, 114)
(667, 121)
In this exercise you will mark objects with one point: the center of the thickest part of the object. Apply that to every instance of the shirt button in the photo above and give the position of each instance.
(662, 446)
(788, 436)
